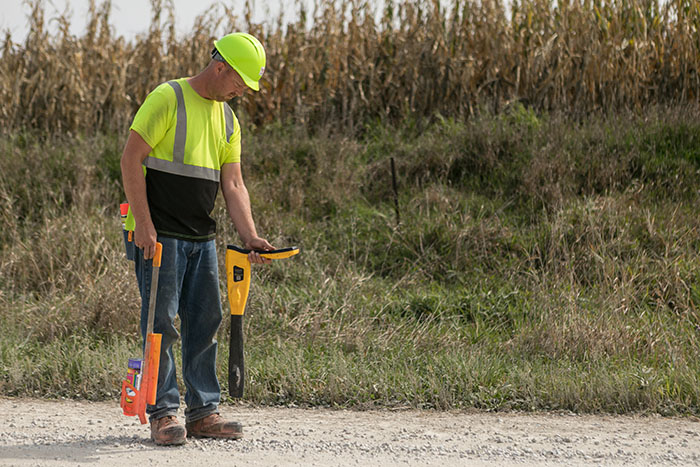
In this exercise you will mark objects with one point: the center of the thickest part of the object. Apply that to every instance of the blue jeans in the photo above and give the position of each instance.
(188, 286)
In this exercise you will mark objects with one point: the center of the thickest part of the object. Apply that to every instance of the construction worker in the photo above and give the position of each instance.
(185, 143)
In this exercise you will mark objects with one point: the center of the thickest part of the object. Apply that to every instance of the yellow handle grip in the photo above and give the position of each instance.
(279, 254)
(272, 254)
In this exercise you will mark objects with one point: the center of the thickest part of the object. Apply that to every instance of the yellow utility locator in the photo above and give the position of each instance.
(238, 285)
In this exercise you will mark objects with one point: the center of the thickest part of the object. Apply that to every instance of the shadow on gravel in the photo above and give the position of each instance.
(92, 450)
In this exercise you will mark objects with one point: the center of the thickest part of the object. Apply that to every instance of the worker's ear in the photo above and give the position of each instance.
(219, 67)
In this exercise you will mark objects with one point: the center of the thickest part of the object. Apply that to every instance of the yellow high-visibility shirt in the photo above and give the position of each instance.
(190, 138)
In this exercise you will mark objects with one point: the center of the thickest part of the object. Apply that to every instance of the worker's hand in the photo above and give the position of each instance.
(145, 237)
(258, 244)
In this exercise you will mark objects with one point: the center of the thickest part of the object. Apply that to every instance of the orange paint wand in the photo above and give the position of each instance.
(139, 389)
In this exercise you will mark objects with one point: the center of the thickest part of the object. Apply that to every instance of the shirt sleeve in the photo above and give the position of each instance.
(232, 148)
(154, 117)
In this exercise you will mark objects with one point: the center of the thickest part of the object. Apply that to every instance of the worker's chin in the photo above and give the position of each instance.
(219, 98)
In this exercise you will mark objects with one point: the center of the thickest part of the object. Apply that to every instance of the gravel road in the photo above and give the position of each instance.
(51, 433)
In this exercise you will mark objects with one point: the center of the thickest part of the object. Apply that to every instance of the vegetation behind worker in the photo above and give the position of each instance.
(185, 143)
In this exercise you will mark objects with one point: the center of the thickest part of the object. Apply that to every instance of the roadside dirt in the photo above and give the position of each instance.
(52, 433)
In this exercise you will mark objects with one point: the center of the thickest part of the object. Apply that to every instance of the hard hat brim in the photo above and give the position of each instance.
(251, 84)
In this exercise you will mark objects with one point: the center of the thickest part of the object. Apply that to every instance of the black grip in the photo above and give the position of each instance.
(236, 369)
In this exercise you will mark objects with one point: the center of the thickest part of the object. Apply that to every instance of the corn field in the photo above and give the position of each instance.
(346, 64)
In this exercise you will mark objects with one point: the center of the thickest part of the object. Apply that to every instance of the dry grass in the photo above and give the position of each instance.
(503, 287)
(348, 65)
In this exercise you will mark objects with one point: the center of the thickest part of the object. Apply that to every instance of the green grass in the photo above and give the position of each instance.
(541, 263)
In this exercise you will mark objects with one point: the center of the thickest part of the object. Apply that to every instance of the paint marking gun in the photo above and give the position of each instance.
(139, 389)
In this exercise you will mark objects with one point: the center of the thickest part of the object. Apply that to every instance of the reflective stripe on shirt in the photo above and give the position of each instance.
(177, 166)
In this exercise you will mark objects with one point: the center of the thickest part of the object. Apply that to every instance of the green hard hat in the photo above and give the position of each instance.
(245, 54)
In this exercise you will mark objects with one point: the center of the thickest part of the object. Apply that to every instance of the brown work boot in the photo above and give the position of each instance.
(167, 431)
(214, 426)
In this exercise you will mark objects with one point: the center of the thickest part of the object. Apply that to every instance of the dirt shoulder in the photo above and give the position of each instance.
(50, 433)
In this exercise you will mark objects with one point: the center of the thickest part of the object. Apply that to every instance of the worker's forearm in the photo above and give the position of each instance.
(238, 205)
(135, 189)
(135, 152)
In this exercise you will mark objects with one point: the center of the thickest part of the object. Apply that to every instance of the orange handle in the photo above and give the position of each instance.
(152, 366)
(158, 255)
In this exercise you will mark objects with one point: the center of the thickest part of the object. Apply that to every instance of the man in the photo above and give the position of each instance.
(183, 144)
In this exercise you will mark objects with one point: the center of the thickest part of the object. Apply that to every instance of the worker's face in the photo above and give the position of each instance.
(229, 85)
